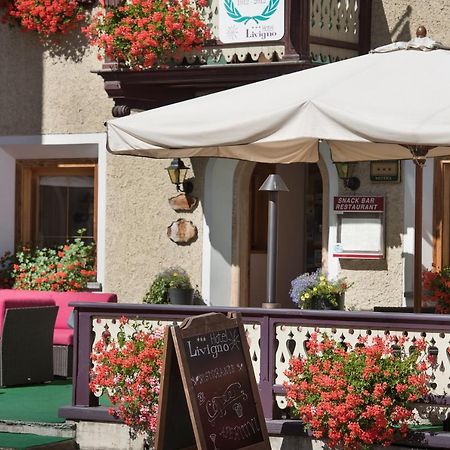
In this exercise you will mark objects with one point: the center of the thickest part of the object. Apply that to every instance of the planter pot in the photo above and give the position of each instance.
(320, 302)
(179, 296)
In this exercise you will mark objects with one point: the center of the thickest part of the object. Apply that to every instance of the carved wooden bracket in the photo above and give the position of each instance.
(182, 232)
(183, 202)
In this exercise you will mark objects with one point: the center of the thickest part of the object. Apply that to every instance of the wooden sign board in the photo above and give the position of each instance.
(209, 399)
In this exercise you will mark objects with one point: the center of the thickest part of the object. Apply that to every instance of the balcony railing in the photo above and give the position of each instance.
(274, 336)
(315, 31)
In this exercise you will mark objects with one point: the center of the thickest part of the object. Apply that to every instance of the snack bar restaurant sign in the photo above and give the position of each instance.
(251, 20)
(354, 203)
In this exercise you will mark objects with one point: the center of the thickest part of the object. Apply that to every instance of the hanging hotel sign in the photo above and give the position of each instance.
(251, 20)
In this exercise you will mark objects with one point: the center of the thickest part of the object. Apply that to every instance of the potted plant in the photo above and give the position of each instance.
(436, 284)
(355, 398)
(128, 371)
(315, 291)
(142, 34)
(68, 267)
(173, 286)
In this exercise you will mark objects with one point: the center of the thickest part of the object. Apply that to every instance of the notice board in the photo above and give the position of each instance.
(209, 399)
(360, 226)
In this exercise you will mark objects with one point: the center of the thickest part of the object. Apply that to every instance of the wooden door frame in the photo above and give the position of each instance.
(441, 215)
(240, 253)
(27, 173)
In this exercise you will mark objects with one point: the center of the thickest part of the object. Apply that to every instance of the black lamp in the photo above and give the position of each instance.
(177, 172)
(344, 171)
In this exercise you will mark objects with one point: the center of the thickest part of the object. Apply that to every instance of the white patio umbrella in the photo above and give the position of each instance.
(390, 104)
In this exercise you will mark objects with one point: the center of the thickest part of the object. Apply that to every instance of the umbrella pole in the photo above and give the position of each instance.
(418, 237)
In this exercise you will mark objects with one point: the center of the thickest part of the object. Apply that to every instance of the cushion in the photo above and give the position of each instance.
(63, 336)
(62, 299)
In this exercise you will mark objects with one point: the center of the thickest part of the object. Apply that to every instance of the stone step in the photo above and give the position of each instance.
(63, 430)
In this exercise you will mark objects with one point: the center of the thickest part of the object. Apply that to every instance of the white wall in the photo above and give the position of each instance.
(427, 220)
(7, 203)
(333, 266)
(217, 231)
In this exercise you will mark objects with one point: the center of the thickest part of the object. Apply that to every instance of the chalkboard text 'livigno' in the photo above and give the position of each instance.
(214, 343)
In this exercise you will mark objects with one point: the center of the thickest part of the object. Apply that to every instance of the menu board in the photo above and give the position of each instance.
(219, 385)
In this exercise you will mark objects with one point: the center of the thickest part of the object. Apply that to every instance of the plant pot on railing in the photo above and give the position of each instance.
(334, 302)
(181, 296)
(315, 291)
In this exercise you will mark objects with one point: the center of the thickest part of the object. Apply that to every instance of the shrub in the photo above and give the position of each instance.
(68, 267)
(6, 270)
(436, 285)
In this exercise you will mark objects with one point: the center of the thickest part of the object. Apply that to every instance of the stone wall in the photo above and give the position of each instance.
(399, 19)
(138, 214)
(49, 89)
(378, 282)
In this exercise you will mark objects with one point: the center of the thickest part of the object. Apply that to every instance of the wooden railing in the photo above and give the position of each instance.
(274, 335)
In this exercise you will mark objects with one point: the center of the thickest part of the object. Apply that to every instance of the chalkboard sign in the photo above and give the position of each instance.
(209, 399)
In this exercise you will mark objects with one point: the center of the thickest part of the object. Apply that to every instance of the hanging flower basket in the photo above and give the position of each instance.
(141, 34)
(47, 18)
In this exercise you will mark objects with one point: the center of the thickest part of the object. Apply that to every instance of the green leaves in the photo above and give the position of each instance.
(174, 277)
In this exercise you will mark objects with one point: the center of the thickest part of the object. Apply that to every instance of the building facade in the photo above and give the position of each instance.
(53, 147)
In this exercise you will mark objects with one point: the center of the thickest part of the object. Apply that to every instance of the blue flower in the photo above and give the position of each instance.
(302, 283)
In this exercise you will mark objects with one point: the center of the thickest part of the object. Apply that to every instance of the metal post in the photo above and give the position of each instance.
(273, 184)
(418, 239)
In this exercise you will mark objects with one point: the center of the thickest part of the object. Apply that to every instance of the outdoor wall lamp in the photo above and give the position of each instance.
(177, 172)
(345, 171)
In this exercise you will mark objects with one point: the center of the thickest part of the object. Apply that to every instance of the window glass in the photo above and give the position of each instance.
(65, 205)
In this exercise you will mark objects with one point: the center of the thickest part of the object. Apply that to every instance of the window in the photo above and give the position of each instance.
(54, 200)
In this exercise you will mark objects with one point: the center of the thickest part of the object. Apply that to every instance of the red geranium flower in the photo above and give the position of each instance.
(46, 17)
(142, 34)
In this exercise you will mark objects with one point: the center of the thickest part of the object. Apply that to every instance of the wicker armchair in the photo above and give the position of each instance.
(26, 342)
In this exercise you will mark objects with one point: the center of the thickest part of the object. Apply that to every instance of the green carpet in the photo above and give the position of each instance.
(27, 441)
(36, 403)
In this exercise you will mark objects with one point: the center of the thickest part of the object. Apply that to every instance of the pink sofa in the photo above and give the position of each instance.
(63, 333)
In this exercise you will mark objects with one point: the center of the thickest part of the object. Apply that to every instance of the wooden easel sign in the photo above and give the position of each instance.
(209, 399)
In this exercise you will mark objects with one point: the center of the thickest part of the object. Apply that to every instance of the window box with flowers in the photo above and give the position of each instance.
(47, 18)
(142, 34)
(315, 291)
(356, 398)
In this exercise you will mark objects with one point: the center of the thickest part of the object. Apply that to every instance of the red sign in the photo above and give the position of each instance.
(358, 203)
